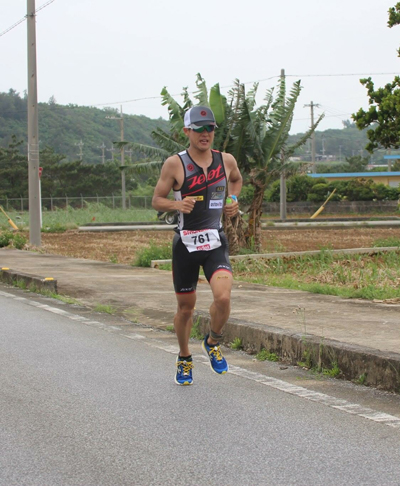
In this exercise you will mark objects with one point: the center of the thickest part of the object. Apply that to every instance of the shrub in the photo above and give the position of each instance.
(19, 241)
(153, 252)
(298, 188)
(5, 238)
(318, 193)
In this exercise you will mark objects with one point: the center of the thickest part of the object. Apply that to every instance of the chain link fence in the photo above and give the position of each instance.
(53, 203)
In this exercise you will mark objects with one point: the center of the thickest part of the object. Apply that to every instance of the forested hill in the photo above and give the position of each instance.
(64, 127)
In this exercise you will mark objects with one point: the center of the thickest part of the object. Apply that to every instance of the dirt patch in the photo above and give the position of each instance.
(122, 246)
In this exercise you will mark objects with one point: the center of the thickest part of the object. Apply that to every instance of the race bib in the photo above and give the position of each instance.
(201, 240)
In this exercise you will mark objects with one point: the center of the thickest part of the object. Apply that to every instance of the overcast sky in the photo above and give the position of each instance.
(108, 53)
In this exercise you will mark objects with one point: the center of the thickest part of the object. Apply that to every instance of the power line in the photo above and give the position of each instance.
(337, 75)
(252, 82)
(24, 18)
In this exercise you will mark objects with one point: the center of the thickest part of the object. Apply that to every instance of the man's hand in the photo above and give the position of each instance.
(232, 208)
(186, 205)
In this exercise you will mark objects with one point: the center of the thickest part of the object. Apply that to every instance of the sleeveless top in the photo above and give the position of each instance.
(209, 192)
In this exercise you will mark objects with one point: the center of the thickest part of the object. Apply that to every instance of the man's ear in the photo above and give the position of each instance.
(186, 131)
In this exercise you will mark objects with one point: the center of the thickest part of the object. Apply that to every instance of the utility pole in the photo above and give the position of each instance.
(103, 156)
(112, 150)
(33, 131)
(80, 145)
(122, 167)
(282, 204)
(323, 146)
(129, 153)
(313, 168)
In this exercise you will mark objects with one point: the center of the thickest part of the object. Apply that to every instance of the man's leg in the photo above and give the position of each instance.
(221, 286)
(183, 321)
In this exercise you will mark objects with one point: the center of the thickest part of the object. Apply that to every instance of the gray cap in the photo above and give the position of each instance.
(198, 116)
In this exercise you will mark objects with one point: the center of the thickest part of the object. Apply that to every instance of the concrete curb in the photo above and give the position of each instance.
(31, 282)
(356, 363)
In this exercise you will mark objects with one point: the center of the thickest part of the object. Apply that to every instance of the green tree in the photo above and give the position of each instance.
(13, 170)
(384, 110)
(260, 144)
(356, 164)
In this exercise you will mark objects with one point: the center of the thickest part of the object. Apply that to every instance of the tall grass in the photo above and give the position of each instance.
(351, 276)
(153, 252)
(62, 219)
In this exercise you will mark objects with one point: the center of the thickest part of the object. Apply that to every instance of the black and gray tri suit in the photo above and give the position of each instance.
(209, 191)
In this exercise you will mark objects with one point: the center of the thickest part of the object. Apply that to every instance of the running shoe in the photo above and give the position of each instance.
(183, 374)
(217, 361)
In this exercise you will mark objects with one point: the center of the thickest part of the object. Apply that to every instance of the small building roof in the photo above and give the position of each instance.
(356, 174)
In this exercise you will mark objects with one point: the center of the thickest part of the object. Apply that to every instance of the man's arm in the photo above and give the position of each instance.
(235, 182)
(167, 180)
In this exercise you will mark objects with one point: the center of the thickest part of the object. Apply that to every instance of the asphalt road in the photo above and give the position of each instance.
(84, 401)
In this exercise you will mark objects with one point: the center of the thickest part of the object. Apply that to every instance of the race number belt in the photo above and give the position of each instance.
(201, 240)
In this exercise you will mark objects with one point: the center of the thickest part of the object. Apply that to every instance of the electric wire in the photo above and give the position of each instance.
(251, 82)
(24, 18)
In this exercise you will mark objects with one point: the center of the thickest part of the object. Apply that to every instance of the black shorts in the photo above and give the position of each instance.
(186, 266)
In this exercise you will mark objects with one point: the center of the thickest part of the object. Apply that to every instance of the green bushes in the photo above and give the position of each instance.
(306, 188)
(17, 240)
(153, 252)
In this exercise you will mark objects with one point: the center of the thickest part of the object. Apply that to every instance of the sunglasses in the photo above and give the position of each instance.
(209, 128)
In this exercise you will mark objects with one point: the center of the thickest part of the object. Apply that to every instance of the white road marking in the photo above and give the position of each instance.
(286, 387)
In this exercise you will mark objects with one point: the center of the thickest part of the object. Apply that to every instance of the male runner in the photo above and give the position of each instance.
(200, 178)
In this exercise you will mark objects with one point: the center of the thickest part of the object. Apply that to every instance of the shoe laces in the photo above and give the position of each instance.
(185, 366)
(216, 352)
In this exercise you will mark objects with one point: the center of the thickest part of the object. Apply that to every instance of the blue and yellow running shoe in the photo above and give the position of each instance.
(183, 374)
(217, 361)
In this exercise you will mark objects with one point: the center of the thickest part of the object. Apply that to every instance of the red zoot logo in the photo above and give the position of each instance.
(198, 180)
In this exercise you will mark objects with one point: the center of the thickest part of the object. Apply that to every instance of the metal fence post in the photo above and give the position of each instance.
(66, 202)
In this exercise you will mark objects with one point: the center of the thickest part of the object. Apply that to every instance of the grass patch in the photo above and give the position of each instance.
(265, 355)
(361, 276)
(55, 228)
(10, 238)
(153, 252)
(361, 379)
(91, 212)
(393, 241)
(196, 333)
(107, 309)
(62, 298)
(237, 344)
(332, 372)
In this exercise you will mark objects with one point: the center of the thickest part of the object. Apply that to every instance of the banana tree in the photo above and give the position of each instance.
(259, 143)
(174, 141)
(255, 136)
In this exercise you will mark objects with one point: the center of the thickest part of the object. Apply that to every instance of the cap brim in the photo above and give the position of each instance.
(202, 123)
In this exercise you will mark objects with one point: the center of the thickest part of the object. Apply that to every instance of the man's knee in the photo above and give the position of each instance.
(186, 307)
(185, 312)
(223, 300)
